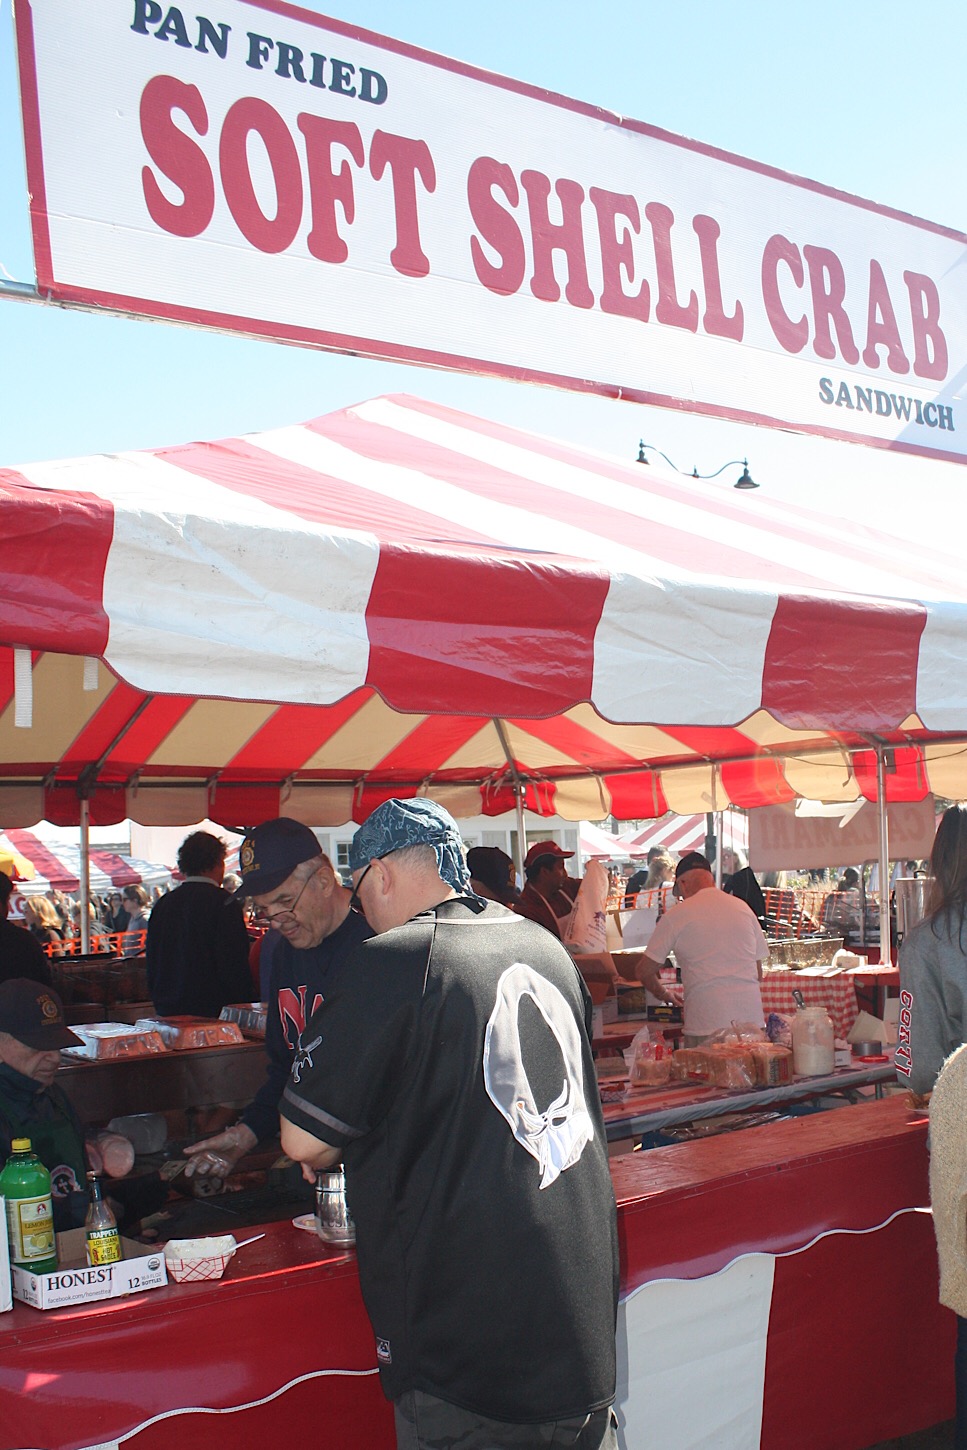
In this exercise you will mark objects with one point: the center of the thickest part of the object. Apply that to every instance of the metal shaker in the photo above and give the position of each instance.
(334, 1223)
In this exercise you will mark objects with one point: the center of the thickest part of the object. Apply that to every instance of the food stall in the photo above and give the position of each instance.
(401, 599)
(790, 1271)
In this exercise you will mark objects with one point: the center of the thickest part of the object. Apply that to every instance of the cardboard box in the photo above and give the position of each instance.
(6, 1289)
(664, 1012)
(607, 1012)
(75, 1282)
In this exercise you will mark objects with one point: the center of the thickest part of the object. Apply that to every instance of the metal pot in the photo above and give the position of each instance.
(334, 1222)
(912, 895)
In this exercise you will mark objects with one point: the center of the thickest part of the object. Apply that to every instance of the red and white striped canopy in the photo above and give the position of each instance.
(680, 834)
(398, 598)
(59, 866)
(593, 841)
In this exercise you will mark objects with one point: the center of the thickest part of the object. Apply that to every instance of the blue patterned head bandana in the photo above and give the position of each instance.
(420, 822)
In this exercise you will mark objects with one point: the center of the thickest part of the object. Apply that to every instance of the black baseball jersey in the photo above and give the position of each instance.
(454, 1069)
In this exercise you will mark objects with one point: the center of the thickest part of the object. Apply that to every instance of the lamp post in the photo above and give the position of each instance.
(745, 481)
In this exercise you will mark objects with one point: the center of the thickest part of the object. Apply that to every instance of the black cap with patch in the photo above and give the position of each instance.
(269, 854)
(692, 861)
(34, 1015)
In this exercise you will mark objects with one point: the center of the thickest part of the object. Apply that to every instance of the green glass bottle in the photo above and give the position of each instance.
(25, 1186)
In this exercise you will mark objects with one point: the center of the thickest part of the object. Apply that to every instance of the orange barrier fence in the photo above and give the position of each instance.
(111, 943)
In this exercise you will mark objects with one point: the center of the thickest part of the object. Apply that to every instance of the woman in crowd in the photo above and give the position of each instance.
(136, 904)
(44, 923)
(115, 917)
(104, 914)
(933, 962)
(97, 940)
(660, 869)
(933, 992)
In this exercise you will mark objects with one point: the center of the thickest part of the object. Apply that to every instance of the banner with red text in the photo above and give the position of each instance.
(787, 838)
(244, 165)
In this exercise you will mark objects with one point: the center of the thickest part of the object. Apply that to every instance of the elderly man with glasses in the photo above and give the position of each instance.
(310, 939)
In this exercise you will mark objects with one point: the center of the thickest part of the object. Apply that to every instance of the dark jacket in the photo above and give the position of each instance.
(46, 1117)
(197, 951)
(21, 955)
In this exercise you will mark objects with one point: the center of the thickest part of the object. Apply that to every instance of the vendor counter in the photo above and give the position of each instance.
(779, 1289)
(648, 1110)
(196, 1078)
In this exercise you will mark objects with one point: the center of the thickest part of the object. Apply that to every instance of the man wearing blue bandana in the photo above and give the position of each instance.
(451, 1071)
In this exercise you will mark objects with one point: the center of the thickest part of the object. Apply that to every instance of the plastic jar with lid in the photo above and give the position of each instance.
(813, 1054)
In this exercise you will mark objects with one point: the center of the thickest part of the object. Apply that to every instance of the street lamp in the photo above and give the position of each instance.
(745, 480)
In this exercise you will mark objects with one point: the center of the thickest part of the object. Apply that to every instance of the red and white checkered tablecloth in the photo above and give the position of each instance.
(836, 994)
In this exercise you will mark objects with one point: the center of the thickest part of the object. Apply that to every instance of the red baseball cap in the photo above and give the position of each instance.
(546, 848)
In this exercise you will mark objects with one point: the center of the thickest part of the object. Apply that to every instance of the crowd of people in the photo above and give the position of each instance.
(54, 919)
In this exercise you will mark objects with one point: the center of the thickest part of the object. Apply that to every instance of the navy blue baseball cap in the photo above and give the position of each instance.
(270, 854)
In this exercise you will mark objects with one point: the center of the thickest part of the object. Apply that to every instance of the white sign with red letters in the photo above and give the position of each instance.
(244, 165)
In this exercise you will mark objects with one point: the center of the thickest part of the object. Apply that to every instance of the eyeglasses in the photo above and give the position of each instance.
(266, 917)
(354, 902)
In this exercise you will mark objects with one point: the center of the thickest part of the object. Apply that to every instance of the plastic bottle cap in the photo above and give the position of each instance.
(20, 1145)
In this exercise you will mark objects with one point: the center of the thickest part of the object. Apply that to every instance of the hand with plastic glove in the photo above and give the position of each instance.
(219, 1154)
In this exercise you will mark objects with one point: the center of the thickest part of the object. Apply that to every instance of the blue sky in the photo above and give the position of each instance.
(867, 97)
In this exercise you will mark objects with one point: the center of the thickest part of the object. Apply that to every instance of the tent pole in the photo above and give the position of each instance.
(85, 875)
(713, 830)
(521, 834)
(518, 793)
(884, 837)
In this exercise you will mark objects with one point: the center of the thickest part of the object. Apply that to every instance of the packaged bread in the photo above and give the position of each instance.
(651, 1060)
(690, 1064)
(651, 1071)
(731, 1066)
(773, 1064)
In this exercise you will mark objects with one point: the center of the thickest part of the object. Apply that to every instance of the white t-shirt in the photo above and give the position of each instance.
(717, 942)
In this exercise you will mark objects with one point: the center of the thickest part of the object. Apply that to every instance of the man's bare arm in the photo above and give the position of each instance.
(311, 1152)
(649, 975)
